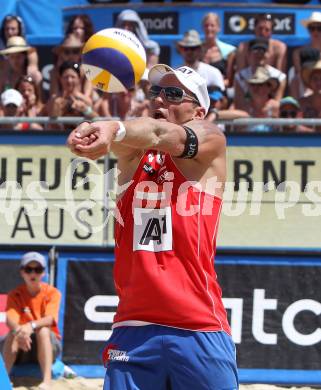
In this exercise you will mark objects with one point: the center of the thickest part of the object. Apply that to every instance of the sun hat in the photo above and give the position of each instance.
(70, 42)
(307, 69)
(32, 256)
(11, 96)
(315, 17)
(191, 39)
(15, 45)
(186, 76)
(289, 100)
(262, 76)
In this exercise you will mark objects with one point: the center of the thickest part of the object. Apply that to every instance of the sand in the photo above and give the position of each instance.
(91, 384)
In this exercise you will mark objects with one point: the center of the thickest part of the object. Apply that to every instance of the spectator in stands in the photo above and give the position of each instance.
(261, 103)
(81, 27)
(276, 52)
(69, 50)
(290, 109)
(257, 58)
(32, 317)
(190, 48)
(71, 101)
(12, 103)
(17, 63)
(32, 105)
(215, 52)
(311, 76)
(13, 26)
(130, 20)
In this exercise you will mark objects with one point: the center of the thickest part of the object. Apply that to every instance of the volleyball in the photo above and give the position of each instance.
(113, 60)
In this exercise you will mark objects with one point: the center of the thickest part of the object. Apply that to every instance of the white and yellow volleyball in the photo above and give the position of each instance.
(113, 60)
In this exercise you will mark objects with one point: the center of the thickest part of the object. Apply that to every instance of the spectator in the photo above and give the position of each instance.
(71, 101)
(13, 26)
(11, 106)
(32, 317)
(257, 58)
(130, 20)
(190, 48)
(276, 52)
(215, 52)
(17, 63)
(290, 109)
(311, 76)
(261, 103)
(69, 50)
(32, 105)
(81, 27)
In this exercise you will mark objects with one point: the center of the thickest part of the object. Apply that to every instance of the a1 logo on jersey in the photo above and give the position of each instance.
(153, 229)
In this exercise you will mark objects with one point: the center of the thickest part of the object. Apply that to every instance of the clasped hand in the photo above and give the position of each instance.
(92, 140)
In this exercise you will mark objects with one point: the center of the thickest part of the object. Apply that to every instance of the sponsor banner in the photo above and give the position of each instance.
(273, 305)
(160, 23)
(47, 195)
(238, 23)
(272, 198)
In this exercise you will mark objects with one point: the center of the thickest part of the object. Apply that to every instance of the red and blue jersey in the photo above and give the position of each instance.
(165, 242)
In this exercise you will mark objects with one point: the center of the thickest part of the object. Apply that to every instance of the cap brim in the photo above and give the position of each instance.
(13, 50)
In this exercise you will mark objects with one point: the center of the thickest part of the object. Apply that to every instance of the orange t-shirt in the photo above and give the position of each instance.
(23, 307)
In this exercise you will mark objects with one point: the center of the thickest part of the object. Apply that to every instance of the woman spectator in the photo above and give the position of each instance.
(81, 27)
(17, 63)
(130, 20)
(13, 26)
(69, 50)
(311, 105)
(216, 52)
(71, 101)
(261, 103)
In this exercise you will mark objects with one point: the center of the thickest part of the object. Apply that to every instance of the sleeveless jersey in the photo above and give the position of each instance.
(165, 240)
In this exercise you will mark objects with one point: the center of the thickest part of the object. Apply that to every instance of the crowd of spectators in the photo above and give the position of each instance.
(257, 79)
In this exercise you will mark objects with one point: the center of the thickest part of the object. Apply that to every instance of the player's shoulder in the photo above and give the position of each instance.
(208, 126)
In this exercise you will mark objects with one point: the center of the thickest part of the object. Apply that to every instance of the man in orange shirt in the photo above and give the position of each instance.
(32, 317)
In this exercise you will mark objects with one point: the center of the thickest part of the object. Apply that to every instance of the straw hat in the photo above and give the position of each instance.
(15, 45)
(308, 68)
(314, 18)
(70, 42)
(262, 76)
(191, 39)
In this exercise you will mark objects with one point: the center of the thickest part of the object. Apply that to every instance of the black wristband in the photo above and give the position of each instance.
(191, 144)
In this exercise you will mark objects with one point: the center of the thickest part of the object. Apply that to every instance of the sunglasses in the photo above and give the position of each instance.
(286, 114)
(71, 51)
(312, 28)
(192, 48)
(172, 94)
(29, 270)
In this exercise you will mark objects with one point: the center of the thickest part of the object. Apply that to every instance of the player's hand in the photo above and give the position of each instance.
(92, 140)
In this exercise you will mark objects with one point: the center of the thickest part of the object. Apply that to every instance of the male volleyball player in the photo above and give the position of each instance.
(170, 329)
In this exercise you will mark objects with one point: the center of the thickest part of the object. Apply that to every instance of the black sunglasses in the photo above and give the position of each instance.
(172, 94)
(28, 270)
(190, 48)
(312, 28)
(71, 51)
(286, 114)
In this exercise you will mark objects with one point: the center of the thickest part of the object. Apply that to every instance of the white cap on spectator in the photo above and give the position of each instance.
(33, 256)
(186, 76)
(314, 18)
(11, 96)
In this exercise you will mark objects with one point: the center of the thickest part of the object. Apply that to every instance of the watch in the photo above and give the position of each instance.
(33, 325)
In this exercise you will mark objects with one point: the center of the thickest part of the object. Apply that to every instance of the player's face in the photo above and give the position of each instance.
(180, 112)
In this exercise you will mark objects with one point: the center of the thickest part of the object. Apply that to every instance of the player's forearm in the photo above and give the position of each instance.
(149, 133)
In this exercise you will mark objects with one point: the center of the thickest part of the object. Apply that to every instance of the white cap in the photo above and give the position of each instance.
(33, 256)
(186, 76)
(11, 96)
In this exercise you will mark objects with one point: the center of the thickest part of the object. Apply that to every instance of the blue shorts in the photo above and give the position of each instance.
(155, 357)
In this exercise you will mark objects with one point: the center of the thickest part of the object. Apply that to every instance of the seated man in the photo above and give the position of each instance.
(290, 109)
(32, 316)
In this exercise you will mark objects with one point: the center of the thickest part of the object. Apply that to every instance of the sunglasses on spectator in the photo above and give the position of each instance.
(71, 51)
(287, 114)
(28, 270)
(191, 48)
(313, 28)
(172, 94)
